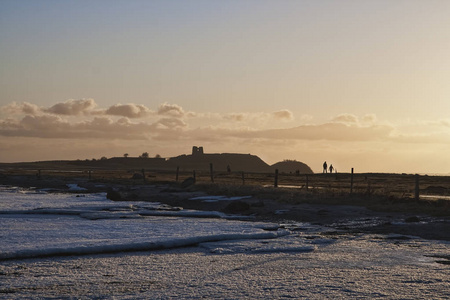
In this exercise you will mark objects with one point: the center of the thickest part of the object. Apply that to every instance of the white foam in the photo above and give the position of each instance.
(219, 198)
(127, 247)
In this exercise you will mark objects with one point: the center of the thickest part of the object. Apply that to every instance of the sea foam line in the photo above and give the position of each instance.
(132, 247)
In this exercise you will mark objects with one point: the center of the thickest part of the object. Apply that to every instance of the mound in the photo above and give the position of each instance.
(292, 166)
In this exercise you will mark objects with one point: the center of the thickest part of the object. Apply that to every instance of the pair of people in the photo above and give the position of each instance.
(325, 169)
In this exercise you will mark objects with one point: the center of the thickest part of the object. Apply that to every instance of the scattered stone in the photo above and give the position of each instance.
(413, 219)
(236, 207)
(137, 176)
(113, 195)
(260, 203)
(188, 182)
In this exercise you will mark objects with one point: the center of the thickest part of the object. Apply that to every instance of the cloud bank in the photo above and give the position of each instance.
(169, 128)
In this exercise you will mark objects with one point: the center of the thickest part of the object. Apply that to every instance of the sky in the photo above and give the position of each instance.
(359, 84)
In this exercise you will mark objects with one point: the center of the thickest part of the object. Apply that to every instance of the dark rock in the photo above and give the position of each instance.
(113, 195)
(137, 176)
(188, 182)
(260, 203)
(236, 207)
(413, 219)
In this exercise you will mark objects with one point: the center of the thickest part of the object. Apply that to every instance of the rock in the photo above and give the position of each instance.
(113, 195)
(260, 203)
(188, 182)
(413, 219)
(236, 207)
(137, 176)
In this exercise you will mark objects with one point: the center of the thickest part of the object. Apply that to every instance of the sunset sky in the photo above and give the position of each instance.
(363, 84)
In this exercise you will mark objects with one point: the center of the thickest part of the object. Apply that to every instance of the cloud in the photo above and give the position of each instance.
(73, 107)
(170, 123)
(23, 108)
(284, 114)
(171, 110)
(370, 118)
(238, 117)
(327, 131)
(332, 132)
(129, 110)
(260, 117)
(346, 119)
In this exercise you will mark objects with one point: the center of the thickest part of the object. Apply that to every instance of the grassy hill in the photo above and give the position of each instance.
(201, 162)
(292, 166)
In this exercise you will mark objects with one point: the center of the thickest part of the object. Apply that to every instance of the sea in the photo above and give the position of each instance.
(84, 246)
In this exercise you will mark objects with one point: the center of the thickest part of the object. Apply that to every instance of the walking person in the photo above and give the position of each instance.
(331, 168)
(325, 169)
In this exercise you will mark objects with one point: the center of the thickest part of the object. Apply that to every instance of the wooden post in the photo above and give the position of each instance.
(417, 189)
(178, 170)
(307, 181)
(351, 182)
(39, 174)
(89, 172)
(143, 174)
(275, 184)
(193, 175)
(211, 172)
(243, 178)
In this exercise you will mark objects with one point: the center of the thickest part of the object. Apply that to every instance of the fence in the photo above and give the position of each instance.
(398, 185)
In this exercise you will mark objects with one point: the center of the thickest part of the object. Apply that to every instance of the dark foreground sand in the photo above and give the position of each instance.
(341, 217)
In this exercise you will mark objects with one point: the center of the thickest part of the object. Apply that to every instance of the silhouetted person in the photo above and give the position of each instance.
(331, 168)
(325, 167)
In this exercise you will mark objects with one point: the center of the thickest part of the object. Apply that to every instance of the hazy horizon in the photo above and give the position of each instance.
(360, 84)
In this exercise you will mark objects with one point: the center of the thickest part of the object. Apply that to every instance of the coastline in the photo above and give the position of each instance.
(341, 219)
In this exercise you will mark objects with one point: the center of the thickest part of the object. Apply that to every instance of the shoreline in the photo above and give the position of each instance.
(344, 219)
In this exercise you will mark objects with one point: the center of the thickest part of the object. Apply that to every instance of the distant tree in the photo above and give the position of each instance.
(144, 155)
(125, 155)
(157, 156)
(103, 158)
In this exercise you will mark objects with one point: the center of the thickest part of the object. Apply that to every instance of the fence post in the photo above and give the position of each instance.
(176, 177)
(143, 174)
(275, 184)
(351, 182)
(243, 178)
(211, 172)
(193, 175)
(417, 189)
(89, 172)
(39, 174)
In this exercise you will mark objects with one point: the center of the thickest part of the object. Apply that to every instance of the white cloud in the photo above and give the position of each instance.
(284, 114)
(22, 108)
(129, 110)
(73, 107)
(171, 110)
